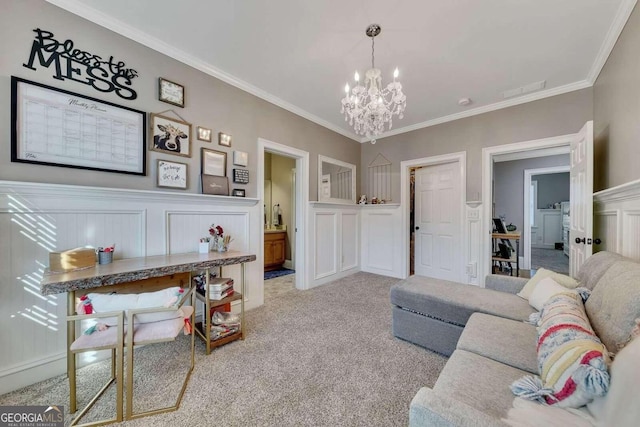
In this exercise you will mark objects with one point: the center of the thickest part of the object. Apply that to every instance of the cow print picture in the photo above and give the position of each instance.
(170, 135)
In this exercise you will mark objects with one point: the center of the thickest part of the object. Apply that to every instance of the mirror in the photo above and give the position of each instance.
(336, 181)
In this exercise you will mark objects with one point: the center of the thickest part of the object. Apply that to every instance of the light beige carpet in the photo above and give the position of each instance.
(322, 357)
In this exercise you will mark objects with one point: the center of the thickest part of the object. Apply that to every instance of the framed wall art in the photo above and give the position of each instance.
(55, 127)
(224, 139)
(214, 162)
(240, 158)
(216, 185)
(204, 134)
(172, 174)
(170, 92)
(170, 136)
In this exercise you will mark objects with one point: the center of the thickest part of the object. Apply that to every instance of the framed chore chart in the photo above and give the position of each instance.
(56, 127)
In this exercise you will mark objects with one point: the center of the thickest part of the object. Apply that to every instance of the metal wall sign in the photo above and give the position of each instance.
(71, 63)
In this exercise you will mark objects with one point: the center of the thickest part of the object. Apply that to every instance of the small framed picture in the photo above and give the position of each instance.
(240, 158)
(170, 136)
(172, 174)
(224, 139)
(214, 162)
(170, 92)
(216, 185)
(204, 134)
(238, 192)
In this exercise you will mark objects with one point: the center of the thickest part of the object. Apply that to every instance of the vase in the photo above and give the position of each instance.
(213, 245)
(221, 246)
(203, 247)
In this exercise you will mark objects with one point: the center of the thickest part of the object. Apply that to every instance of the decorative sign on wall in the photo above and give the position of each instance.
(80, 66)
(172, 174)
(241, 176)
(51, 126)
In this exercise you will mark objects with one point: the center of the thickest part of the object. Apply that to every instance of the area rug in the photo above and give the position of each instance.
(320, 357)
(277, 273)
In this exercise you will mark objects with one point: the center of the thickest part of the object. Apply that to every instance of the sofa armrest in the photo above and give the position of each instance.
(509, 284)
(429, 408)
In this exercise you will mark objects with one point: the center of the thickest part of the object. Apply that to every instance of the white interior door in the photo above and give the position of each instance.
(438, 224)
(581, 198)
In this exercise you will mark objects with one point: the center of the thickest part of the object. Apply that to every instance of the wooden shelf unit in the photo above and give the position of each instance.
(203, 328)
(512, 260)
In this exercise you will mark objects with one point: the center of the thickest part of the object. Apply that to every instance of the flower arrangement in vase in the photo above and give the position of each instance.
(218, 241)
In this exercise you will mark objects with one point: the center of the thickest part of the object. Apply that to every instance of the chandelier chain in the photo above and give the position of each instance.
(373, 50)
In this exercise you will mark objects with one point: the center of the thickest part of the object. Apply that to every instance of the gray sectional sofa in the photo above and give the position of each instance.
(489, 345)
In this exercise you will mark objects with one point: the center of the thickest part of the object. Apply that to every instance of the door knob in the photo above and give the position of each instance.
(597, 241)
(417, 228)
(579, 240)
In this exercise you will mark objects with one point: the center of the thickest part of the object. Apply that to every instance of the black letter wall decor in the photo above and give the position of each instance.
(81, 66)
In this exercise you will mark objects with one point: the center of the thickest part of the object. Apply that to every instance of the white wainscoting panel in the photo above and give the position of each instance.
(335, 244)
(350, 240)
(326, 244)
(617, 220)
(380, 247)
(38, 218)
(473, 243)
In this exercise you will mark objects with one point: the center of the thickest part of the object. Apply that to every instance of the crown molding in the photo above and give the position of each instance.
(119, 27)
(619, 21)
(488, 108)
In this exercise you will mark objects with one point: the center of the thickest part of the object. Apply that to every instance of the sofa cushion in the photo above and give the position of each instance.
(595, 266)
(542, 273)
(614, 304)
(544, 290)
(504, 340)
(454, 302)
(479, 382)
(571, 358)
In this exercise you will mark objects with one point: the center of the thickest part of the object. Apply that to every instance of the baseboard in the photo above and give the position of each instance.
(288, 264)
(30, 373)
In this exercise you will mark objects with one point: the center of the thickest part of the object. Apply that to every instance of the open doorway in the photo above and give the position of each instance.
(546, 218)
(527, 192)
(580, 148)
(283, 182)
(279, 219)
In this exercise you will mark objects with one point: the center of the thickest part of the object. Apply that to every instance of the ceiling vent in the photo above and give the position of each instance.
(531, 87)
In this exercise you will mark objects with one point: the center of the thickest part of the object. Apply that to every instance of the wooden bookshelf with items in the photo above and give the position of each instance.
(217, 294)
(505, 255)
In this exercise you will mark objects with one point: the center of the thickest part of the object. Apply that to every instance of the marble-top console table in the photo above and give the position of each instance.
(134, 269)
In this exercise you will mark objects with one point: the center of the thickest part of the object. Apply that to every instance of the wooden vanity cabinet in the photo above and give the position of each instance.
(274, 250)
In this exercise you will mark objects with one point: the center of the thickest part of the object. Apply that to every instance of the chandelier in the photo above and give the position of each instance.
(368, 108)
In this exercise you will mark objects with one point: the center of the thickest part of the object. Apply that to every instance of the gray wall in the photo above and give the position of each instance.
(558, 115)
(508, 180)
(552, 188)
(617, 111)
(209, 103)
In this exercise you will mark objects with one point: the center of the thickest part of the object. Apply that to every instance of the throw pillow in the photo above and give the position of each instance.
(544, 290)
(165, 298)
(542, 273)
(571, 359)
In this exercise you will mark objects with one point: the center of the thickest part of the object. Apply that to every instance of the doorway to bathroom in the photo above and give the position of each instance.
(283, 172)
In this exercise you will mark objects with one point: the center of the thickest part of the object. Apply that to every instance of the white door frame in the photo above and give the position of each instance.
(526, 236)
(405, 166)
(487, 196)
(302, 201)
